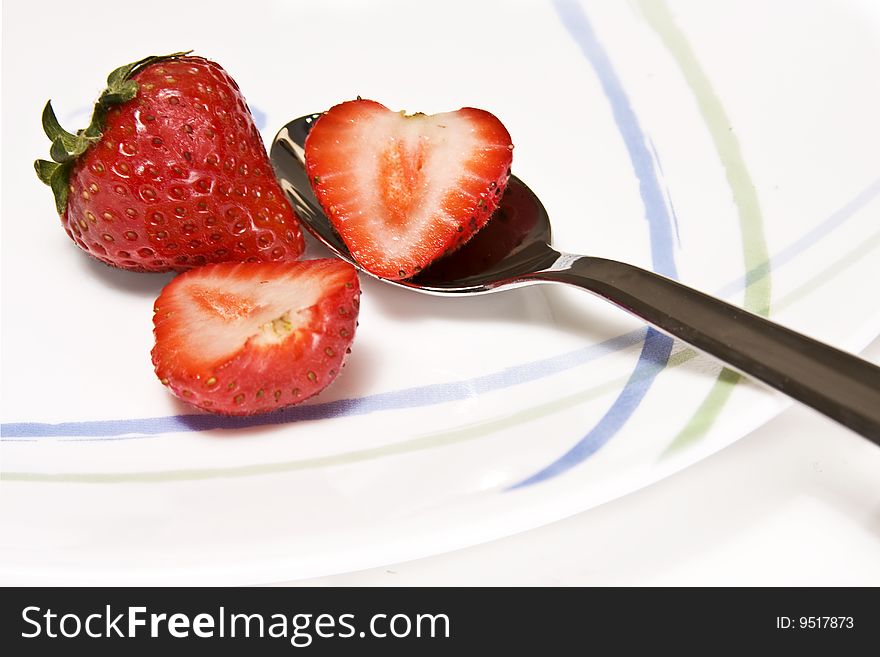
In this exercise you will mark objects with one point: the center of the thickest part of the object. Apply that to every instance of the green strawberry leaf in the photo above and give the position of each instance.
(53, 129)
(44, 170)
(67, 147)
(59, 181)
(57, 176)
(62, 153)
(121, 93)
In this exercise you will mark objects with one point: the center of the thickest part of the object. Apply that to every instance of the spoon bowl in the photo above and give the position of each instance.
(513, 250)
(514, 243)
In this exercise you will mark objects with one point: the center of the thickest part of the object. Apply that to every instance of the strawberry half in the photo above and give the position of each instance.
(171, 173)
(403, 190)
(242, 338)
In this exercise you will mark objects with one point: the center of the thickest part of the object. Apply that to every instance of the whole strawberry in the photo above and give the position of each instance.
(170, 174)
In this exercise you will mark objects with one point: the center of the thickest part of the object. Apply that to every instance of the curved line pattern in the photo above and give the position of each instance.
(451, 436)
(415, 397)
(425, 395)
(653, 357)
(653, 360)
(745, 197)
(658, 346)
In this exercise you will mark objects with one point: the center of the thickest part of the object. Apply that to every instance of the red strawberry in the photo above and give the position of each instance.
(170, 174)
(403, 190)
(511, 224)
(242, 338)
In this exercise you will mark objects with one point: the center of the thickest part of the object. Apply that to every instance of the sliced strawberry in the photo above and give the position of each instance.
(404, 190)
(511, 224)
(243, 338)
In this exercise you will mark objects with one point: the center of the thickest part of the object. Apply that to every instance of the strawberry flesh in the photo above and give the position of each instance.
(403, 190)
(511, 224)
(243, 338)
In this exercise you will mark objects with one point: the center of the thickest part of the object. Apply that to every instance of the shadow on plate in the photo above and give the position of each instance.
(142, 284)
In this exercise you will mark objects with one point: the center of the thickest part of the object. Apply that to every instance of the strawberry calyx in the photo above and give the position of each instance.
(67, 147)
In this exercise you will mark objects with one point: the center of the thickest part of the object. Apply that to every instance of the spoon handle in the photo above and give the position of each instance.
(840, 385)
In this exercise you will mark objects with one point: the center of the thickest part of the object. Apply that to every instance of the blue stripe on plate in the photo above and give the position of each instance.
(657, 348)
(801, 244)
(422, 396)
(655, 355)
(415, 397)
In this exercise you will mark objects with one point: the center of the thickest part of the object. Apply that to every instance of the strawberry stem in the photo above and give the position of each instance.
(67, 147)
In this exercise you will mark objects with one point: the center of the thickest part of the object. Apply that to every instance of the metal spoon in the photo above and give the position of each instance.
(514, 250)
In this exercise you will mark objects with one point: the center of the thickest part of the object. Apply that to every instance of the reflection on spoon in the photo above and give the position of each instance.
(514, 250)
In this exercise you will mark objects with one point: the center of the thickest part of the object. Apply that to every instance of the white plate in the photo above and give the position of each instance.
(715, 143)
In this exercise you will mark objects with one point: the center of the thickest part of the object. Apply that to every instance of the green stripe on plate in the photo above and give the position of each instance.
(754, 245)
(460, 434)
(708, 411)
